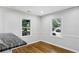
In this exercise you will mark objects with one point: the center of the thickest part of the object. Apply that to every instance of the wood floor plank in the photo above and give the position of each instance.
(40, 47)
(43, 48)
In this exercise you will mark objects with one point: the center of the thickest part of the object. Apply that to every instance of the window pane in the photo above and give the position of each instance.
(25, 27)
(56, 26)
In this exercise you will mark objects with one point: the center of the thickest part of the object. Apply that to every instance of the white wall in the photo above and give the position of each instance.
(12, 23)
(1, 16)
(70, 28)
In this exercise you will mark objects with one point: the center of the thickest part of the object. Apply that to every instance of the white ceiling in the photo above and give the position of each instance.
(39, 10)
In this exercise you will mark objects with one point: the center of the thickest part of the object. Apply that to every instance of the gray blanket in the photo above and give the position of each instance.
(9, 40)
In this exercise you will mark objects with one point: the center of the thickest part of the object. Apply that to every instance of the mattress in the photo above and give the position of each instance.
(9, 41)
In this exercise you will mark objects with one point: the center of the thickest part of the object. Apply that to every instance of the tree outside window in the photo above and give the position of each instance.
(56, 26)
(25, 27)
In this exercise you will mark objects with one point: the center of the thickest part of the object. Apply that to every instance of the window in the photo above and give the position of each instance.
(56, 26)
(25, 27)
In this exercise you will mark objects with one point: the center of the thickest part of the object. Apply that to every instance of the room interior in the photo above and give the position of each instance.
(30, 27)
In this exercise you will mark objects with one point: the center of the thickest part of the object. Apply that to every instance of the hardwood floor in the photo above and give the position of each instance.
(40, 47)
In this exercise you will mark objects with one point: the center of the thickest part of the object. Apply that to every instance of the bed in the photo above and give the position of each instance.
(9, 41)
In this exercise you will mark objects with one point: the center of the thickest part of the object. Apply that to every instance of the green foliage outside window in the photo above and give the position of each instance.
(56, 23)
(25, 27)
